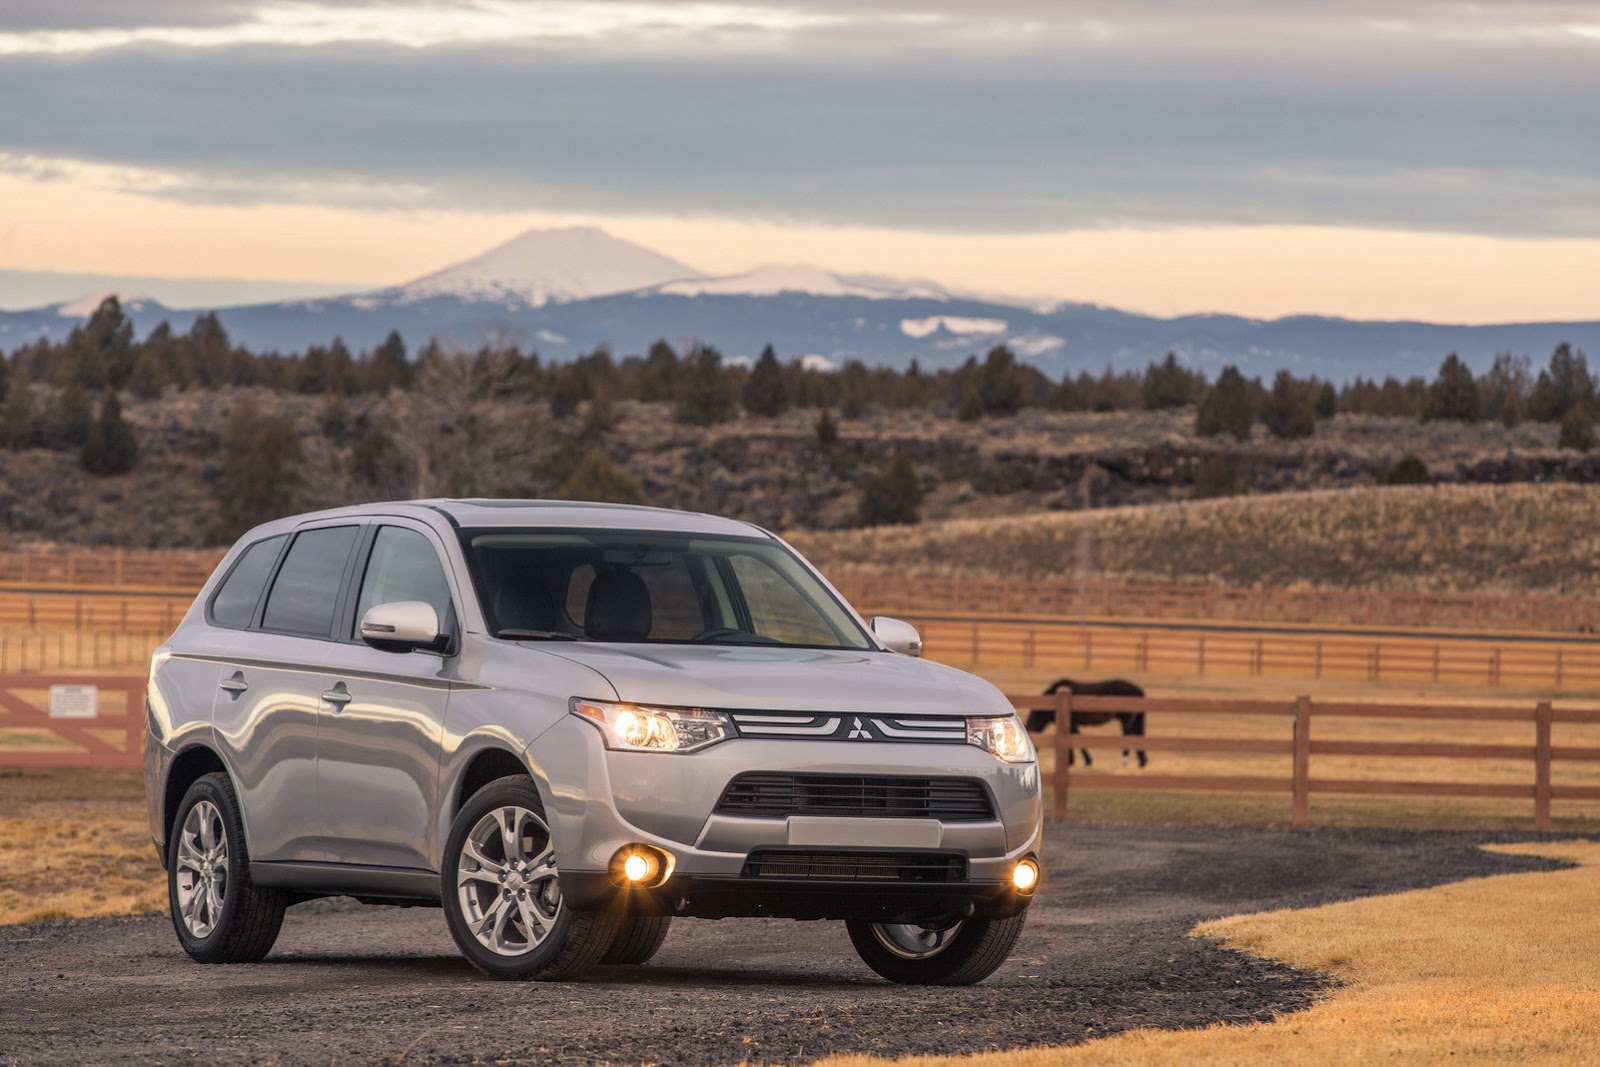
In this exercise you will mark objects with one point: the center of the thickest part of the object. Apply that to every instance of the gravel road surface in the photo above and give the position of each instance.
(1105, 950)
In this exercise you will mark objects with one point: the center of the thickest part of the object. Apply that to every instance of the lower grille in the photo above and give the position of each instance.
(812, 865)
(777, 796)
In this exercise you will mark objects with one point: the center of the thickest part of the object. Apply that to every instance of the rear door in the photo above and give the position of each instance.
(378, 749)
(271, 687)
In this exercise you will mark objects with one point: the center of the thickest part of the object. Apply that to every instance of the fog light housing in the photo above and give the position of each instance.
(1025, 876)
(641, 865)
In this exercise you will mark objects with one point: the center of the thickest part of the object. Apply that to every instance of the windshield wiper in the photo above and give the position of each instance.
(538, 635)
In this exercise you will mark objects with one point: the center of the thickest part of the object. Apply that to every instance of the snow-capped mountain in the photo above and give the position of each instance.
(564, 292)
(546, 266)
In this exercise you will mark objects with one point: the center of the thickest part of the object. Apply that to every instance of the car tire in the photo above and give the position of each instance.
(639, 939)
(220, 915)
(963, 954)
(502, 896)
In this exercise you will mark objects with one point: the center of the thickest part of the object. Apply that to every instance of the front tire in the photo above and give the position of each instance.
(639, 939)
(502, 894)
(219, 914)
(964, 953)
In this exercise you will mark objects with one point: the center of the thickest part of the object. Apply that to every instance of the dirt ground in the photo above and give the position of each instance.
(1106, 950)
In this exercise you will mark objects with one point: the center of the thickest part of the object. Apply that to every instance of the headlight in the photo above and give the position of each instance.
(1003, 736)
(637, 728)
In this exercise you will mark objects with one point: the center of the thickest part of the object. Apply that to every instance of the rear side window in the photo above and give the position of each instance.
(235, 602)
(305, 595)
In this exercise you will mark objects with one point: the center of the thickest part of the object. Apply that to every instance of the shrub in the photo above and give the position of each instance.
(1407, 470)
(109, 447)
(1577, 430)
(893, 497)
(599, 479)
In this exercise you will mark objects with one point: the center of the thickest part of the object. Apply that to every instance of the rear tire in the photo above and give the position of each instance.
(502, 896)
(964, 954)
(219, 914)
(639, 939)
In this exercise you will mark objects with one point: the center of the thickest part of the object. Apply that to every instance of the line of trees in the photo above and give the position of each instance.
(102, 358)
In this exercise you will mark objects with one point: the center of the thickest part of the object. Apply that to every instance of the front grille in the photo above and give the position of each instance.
(772, 795)
(813, 865)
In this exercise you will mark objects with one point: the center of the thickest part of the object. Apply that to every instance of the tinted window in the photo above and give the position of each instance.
(235, 603)
(404, 566)
(303, 598)
(674, 607)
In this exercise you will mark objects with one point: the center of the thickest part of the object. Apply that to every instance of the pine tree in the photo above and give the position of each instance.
(110, 447)
(1227, 408)
(388, 367)
(827, 430)
(599, 479)
(1287, 412)
(999, 384)
(708, 395)
(1454, 393)
(766, 394)
(1326, 405)
(18, 422)
(1169, 385)
(893, 497)
(260, 457)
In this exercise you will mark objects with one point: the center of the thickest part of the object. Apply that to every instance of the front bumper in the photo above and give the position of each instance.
(601, 801)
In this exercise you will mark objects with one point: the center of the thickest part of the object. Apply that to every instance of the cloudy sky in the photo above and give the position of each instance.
(1379, 158)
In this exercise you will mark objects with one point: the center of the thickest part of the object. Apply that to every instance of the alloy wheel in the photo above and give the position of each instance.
(506, 881)
(202, 874)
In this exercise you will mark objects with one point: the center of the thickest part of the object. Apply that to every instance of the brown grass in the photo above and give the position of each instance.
(1482, 538)
(75, 844)
(1494, 970)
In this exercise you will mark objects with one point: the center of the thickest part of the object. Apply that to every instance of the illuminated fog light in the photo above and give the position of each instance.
(1025, 875)
(641, 865)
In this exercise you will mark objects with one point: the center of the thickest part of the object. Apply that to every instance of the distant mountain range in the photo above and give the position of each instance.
(562, 292)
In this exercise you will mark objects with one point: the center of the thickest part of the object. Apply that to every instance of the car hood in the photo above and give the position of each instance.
(784, 679)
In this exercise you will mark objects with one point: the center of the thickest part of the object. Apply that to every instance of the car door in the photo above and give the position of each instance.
(378, 746)
(270, 690)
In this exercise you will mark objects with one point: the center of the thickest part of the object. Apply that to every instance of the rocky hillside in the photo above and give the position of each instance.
(775, 471)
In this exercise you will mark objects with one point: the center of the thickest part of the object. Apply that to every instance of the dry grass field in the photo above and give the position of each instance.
(1495, 970)
(1480, 538)
(75, 844)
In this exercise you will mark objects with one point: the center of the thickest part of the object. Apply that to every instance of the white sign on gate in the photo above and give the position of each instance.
(74, 701)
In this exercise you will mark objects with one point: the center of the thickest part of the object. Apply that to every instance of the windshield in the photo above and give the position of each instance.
(604, 585)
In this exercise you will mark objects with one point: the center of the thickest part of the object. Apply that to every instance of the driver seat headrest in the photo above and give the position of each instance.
(618, 607)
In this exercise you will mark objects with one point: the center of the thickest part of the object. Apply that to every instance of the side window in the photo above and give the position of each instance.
(777, 609)
(304, 597)
(403, 566)
(234, 604)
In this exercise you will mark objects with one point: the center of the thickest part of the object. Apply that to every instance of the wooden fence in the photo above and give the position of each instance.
(182, 570)
(1339, 607)
(72, 720)
(1539, 791)
(1062, 646)
(76, 650)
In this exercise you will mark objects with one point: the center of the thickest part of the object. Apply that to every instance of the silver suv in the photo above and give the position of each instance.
(567, 725)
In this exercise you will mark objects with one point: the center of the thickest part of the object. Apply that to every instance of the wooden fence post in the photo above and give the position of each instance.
(1063, 749)
(1318, 671)
(1201, 656)
(1302, 759)
(1543, 716)
(1559, 666)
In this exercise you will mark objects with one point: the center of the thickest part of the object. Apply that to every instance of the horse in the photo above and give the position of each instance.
(1132, 721)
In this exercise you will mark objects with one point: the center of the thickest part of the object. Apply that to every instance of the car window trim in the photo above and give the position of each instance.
(360, 524)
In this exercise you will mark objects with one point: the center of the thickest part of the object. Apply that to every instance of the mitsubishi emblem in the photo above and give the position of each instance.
(859, 730)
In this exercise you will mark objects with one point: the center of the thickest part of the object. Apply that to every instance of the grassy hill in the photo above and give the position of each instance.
(1512, 538)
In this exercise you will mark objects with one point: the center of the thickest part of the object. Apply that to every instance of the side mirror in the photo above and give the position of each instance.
(402, 626)
(899, 636)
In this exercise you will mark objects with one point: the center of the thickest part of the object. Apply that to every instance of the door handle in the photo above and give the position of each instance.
(234, 684)
(338, 696)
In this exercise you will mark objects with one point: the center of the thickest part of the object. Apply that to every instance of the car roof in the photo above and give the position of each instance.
(562, 514)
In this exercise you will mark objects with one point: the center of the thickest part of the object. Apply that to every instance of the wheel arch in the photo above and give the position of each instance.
(188, 767)
(486, 765)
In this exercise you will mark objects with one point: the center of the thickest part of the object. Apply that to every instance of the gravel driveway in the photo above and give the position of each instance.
(1105, 950)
